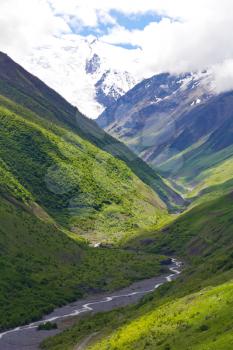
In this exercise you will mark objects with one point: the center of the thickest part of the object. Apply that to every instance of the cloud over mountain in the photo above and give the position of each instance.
(155, 35)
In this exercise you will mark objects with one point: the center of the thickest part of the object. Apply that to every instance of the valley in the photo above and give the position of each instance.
(89, 222)
(30, 337)
(194, 311)
(65, 186)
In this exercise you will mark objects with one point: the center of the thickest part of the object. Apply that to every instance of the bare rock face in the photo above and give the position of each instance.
(149, 117)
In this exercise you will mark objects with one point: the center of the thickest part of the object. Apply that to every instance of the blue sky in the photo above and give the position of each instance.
(129, 22)
(139, 21)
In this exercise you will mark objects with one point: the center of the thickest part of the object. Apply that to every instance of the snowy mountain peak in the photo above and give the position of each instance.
(112, 85)
(91, 79)
(149, 115)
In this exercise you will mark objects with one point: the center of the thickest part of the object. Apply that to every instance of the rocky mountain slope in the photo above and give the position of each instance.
(148, 117)
(179, 126)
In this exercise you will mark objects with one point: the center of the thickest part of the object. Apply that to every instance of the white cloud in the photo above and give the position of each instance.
(197, 36)
(193, 35)
(199, 39)
(24, 25)
(223, 74)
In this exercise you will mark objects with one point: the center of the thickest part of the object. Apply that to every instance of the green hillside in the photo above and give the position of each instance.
(43, 267)
(57, 185)
(82, 187)
(195, 311)
(205, 168)
(63, 181)
(197, 321)
(26, 90)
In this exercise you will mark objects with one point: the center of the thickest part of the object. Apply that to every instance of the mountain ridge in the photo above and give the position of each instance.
(58, 110)
(179, 126)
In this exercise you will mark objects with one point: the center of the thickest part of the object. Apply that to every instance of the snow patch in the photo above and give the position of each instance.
(87, 62)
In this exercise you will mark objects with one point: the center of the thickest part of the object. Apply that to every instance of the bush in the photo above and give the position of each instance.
(48, 326)
(204, 328)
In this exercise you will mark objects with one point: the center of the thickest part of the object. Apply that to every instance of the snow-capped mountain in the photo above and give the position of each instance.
(154, 118)
(110, 84)
(84, 71)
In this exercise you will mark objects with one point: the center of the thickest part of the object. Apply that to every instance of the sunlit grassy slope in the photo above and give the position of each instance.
(203, 173)
(213, 182)
(82, 187)
(194, 312)
(200, 321)
(25, 90)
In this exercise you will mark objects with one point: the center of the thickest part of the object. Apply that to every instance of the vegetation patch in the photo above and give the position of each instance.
(198, 321)
(48, 326)
(192, 313)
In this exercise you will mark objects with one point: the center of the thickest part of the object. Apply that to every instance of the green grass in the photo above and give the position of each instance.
(201, 320)
(191, 313)
(42, 267)
(212, 183)
(26, 95)
(205, 158)
(203, 173)
(60, 180)
(83, 188)
(10, 185)
(216, 175)
(198, 321)
(200, 235)
(62, 177)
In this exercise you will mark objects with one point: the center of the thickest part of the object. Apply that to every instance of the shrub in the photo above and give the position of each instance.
(204, 328)
(48, 326)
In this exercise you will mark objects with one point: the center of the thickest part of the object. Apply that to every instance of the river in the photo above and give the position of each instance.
(28, 337)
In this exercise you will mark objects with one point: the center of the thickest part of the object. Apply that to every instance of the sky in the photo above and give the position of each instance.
(156, 35)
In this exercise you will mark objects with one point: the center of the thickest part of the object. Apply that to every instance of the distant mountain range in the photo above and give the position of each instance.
(177, 124)
(149, 117)
(89, 80)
